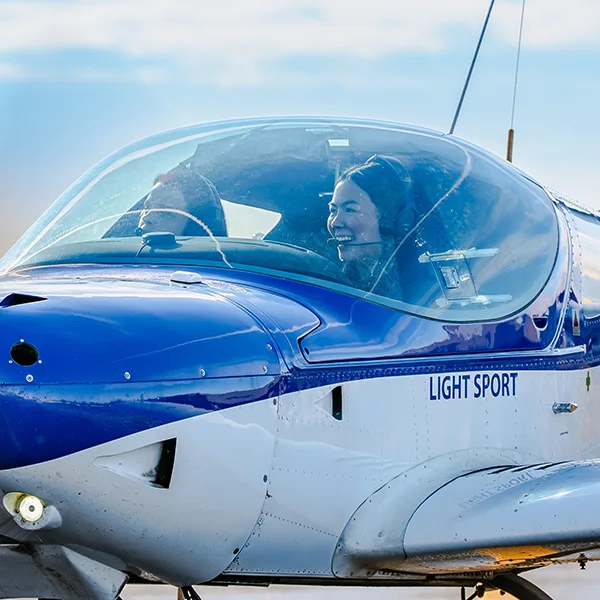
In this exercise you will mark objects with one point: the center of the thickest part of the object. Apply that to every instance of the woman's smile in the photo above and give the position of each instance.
(353, 223)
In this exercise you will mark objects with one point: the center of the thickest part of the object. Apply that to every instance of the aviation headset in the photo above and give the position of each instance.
(381, 177)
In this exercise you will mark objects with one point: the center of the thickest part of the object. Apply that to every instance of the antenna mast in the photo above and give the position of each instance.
(462, 96)
(511, 131)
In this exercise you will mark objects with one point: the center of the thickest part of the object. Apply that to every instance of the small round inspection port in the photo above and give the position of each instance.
(24, 354)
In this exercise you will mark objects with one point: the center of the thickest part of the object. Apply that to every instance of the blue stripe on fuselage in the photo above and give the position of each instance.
(40, 423)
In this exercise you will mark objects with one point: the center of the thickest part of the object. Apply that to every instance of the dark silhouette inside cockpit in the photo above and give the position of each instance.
(181, 202)
(184, 203)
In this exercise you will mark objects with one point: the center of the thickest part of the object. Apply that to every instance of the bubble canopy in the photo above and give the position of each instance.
(406, 217)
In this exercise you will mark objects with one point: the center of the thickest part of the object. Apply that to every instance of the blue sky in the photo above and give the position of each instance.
(79, 78)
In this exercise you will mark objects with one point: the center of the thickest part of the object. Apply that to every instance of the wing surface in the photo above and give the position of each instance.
(496, 519)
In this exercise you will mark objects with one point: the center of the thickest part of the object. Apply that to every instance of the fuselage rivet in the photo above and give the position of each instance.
(21, 340)
(10, 362)
(269, 347)
(127, 375)
(265, 369)
(202, 372)
(39, 362)
(265, 479)
(29, 378)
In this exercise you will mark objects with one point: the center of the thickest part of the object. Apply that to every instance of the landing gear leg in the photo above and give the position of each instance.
(478, 593)
(520, 588)
(187, 593)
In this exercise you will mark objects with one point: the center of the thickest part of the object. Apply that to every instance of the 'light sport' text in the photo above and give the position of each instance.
(480, 385)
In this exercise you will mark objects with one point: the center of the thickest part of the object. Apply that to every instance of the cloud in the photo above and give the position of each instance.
(83, 74)
(238, 39)
(14, 72)
(259, 28)
(552, 24)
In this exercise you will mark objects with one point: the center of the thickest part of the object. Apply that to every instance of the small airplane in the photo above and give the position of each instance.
(300, 350)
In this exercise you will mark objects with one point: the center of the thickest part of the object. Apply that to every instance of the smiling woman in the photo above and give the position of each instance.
(371, 213)
(404, 217)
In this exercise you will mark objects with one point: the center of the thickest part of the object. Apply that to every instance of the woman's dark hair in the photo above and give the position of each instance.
(389, 186)
(202, 202)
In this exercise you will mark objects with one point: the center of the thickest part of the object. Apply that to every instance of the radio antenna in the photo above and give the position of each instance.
(462, 96)
(511, 131)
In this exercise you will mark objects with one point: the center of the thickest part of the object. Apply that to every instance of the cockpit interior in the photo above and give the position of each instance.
(292, 198)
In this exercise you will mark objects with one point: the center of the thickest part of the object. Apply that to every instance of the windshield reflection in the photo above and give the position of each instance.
(397, 215)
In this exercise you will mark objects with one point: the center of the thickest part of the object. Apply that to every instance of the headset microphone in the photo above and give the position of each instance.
(335, 242)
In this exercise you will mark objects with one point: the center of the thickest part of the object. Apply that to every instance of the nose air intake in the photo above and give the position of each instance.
(151, 465)
(18, 299)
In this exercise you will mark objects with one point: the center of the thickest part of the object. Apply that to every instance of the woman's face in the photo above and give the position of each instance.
(164, 210)
(353, 221)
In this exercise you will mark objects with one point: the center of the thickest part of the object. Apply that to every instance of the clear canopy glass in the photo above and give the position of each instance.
(405, 217)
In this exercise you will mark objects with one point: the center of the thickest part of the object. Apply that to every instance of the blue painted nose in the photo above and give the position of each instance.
(86, 364)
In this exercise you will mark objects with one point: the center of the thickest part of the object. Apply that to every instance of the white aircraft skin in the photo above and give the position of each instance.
(474, 467)
(221, 516)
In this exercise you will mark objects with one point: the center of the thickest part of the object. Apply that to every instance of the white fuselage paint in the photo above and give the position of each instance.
(324, 469)
(267, 488)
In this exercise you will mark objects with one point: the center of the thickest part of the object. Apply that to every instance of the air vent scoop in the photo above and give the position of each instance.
(16, 299)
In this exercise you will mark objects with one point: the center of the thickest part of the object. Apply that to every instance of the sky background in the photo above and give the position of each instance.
(80, 78)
